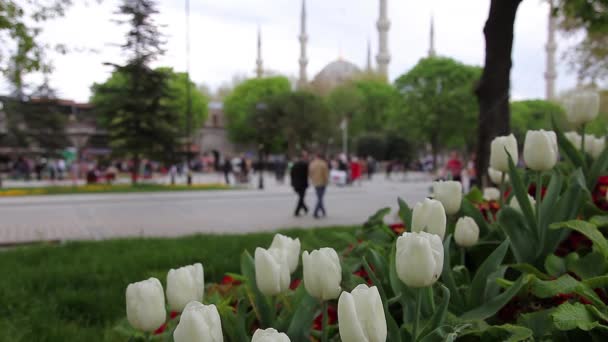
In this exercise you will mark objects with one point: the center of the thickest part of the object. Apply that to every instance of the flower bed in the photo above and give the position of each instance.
(517, 267)
(105, 188)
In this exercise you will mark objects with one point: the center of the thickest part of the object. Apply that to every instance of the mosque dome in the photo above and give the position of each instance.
(335, 74)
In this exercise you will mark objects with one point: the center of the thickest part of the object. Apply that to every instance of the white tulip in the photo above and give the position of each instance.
(574, 138)
(184, 285)
(419, 259)
(582, 106)
(515, 204)
(496, 176)
(540, 150)
(322, 273)
(361, 315)
(449, 194)
(291, 247)
(498, 156)
(271, 271)
(429, 216)
(146, 305)
(491, 194)
(269, 335)
(594, 146)
(199, 323)
(467, 232)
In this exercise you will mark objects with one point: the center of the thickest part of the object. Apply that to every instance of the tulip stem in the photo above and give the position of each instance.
(501, 199)
(417, 318)
(539, 187)
(583, 144)
(462, 256)
(324, 337)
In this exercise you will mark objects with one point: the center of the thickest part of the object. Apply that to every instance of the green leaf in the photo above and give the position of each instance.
(599, 220)
(506, 333)
(482, 277)
(555, 265)
(440, 313)
(550, 288)
(521, 193)
(377, 218)
(405, 213)
(587, 229)
(591, 265)
(490, 308)
(475, 195)
(538, 321)
(596, 282)
(523, 240)
(301, 323)
(447, 277)
(551, 196)
(527, 268)
(573, 316)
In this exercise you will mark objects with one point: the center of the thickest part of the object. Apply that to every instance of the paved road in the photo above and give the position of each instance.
(102, 216)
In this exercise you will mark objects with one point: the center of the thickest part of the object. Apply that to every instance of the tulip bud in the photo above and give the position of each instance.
(429, 216)
(540, 150)
(184, 285)
(269, 335)
(361, 315)
(496, 176)
(291, 247)
(574, 138)
(594, 146)
(146, 305)
(419, 259)
(467, 232)
(271, 271)
(322, 273)
(515, 204)
(491, 194)
(582, 106)
(449, 194)
(199, 323)
(499, 159)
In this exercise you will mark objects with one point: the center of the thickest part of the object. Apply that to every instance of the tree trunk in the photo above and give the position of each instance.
(493, 88)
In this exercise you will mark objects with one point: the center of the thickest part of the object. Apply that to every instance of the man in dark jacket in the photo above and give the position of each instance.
(299, 182)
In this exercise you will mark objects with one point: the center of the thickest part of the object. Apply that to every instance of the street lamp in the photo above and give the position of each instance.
(260, 107)
(3, 130)
(188, 96)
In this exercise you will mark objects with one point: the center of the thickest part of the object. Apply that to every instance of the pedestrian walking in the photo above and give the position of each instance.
(227, 168)
(299, 182)
(318, 172)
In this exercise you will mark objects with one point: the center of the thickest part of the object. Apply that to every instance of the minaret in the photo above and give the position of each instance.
(550, 48)
(259, 70)
(432, 52)
(303, 40)
(383, 58)
(369, 57)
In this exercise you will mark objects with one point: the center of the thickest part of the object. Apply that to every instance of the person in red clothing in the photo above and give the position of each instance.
(355, 170)
(453, 167)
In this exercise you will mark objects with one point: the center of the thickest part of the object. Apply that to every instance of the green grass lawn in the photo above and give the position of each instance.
(106, 188)
(75, 292)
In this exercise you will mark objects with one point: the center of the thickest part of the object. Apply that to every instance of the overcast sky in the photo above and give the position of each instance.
(223, 39)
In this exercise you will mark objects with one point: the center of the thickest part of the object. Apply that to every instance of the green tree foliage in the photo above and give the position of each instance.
(38, 123)
(534, 115)
(368, 104)
(372, 144)
(176, 100)
(21, 51)
(439, 104)
(301, 118)
(590, 56)
(138, 116)
(241, 104)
